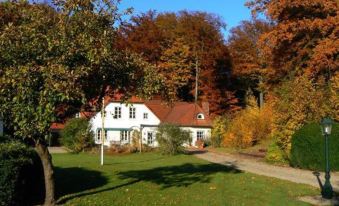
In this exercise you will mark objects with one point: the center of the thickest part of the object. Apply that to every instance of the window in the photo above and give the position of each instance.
(145, 115)
(99, 135)
(200, 116)
(132, 112)
(124, 135)
(117, 113)
(149, 137)
(77, 115)
(200, 135)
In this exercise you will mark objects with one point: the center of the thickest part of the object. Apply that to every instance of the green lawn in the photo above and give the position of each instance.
(153, 179)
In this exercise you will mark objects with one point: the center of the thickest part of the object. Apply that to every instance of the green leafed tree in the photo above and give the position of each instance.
(52, 57)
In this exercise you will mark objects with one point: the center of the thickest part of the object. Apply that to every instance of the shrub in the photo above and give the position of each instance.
(300, 100)
(76, 135)
(275, 155)
(249, 126)
(121, 149)
(21, 179)
(171, 138)
(220, 126)
(308, 148)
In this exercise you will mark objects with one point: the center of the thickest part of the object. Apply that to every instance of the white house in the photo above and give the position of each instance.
(145, 116)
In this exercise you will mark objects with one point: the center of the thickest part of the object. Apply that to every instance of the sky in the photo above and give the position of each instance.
(231, 11)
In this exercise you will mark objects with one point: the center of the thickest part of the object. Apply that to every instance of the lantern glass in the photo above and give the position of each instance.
(326, 126)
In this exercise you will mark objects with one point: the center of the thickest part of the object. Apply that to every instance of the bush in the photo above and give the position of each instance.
(308, 148)
(21, 179)
(76, 135)
(249, 126)
(220, 126)
(171, 138)
(298, 101)
(275, 155)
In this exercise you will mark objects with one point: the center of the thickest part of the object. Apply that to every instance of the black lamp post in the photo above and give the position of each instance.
(326, 127)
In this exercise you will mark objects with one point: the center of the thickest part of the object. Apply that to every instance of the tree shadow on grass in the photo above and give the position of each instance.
(179, 175)
(137, 162)
(77, 182)
(75, 179)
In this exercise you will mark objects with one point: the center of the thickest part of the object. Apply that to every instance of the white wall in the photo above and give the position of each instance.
(193, 130)
(124, 123)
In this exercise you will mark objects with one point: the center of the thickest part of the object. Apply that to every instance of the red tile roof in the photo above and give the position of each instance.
(181, 113)
(57, 126)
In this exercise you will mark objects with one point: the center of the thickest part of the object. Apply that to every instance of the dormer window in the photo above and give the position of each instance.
(200, 116)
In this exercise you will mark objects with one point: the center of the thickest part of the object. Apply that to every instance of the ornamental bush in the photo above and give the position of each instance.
(171, 139)
(21, 175)
(76, 135)
(249, 126)
(308, 148)
(220, 126)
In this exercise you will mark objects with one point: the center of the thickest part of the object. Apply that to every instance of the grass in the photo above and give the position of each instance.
(153, 179)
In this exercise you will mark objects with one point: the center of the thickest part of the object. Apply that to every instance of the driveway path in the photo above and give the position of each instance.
(57, 150)
(257, 166)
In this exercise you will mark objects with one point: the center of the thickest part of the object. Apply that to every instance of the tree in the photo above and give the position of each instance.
(176, 67)
(77, 135)
(302, 56)
(171, 139)
(160, 37)
(52, 57)
(299, 101)
(248, 61)
(305, 38)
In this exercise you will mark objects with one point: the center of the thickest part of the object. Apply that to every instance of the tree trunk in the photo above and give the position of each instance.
(46, 161)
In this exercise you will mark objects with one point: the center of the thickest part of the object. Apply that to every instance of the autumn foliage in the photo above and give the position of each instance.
(180, 45)
(305, 38)
(249, 126)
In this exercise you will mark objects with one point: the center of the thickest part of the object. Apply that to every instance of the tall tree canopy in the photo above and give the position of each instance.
(177, 43)
(56, 56)
(305, 38)
(248, 62)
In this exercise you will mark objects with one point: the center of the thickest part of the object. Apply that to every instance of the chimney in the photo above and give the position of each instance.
(206, 107)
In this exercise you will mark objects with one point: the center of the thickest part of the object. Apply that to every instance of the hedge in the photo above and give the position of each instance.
(307, 150)
(21, 175)
(171, 138)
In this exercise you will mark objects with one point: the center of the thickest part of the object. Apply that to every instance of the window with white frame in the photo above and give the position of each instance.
(132, 112)
(124, 135)
(150, 138)
(117, 113)
(99, 135)
(200, 116)
(145, 115)
(200, 135)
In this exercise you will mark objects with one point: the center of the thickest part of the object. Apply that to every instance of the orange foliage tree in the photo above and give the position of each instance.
(302, 55)
(175, 42)
(248, 63)
(305, 38)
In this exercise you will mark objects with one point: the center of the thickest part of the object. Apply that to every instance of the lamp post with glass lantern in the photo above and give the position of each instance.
(326, 127)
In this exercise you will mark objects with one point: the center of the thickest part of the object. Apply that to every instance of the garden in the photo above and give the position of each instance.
(268, 85)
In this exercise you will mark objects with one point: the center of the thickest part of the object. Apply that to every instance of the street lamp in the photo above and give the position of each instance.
(326, 127)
